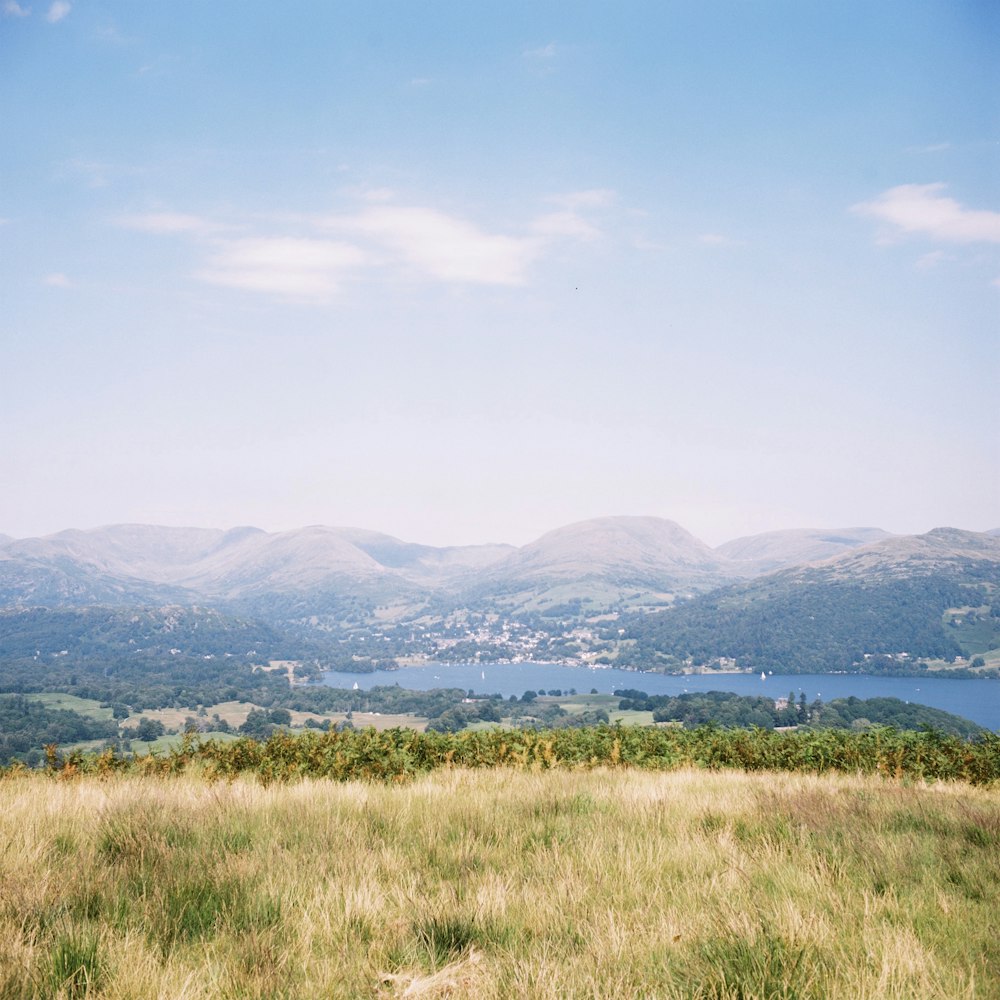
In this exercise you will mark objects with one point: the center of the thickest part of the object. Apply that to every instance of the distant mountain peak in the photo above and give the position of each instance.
(773, 550)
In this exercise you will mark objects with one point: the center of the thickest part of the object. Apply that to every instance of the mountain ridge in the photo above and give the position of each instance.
(603, 560)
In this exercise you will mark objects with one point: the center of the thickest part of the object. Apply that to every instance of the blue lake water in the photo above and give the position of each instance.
(978, 700)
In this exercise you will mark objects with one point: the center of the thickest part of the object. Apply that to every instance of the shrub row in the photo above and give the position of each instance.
(399, 754)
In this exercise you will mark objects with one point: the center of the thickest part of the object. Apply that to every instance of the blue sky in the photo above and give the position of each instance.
(465, 272)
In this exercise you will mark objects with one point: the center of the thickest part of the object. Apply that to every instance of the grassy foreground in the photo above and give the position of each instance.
(499, 883)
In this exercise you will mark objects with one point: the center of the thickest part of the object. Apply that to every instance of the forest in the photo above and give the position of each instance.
(796, 626)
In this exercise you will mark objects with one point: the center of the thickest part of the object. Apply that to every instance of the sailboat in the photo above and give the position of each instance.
(482, 675)
(355, 686)
(763, 676)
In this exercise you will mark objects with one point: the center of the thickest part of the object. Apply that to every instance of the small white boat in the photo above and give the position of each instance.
(763, 676)
(355, 686)
(482, 675)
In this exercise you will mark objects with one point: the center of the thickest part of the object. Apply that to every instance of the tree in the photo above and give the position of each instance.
(149, 730)
(488, 712)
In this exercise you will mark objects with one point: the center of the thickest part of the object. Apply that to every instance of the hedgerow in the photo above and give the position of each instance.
(396, 755)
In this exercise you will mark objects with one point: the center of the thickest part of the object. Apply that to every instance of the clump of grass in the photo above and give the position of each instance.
(76, 967)
(764, 966)
(444, 939)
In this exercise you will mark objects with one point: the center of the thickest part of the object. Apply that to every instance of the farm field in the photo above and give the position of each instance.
(499, 883)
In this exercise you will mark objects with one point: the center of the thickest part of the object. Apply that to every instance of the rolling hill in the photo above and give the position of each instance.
(883, 604)
(775, 550)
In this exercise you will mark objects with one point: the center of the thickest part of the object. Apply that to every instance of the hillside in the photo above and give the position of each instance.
(881, 607)
(144, 657)
(599, 564)
(775, 550)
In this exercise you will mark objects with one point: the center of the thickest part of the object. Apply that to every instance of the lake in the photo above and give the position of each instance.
(978, 700)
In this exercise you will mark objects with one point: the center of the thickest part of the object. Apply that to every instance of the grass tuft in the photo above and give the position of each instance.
(763, 967)
(76, 967)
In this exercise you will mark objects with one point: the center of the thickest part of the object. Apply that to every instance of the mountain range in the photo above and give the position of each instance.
(602, 560)
(633, 591)
(598, 564)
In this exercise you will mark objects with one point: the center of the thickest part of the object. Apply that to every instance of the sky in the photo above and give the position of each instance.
(466, 272)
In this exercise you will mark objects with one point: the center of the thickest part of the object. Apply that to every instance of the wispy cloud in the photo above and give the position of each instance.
(311, 257)
(13, 9)
(717, 240)
(167, 223)
(570, 221)
(569, 224)
(58, 280)
(293, 268)
(110, 35)
(922, 209)
(443, 246)
(540, 52)
(377, 194)
(591, 198)
(931, 260)
(58, 11)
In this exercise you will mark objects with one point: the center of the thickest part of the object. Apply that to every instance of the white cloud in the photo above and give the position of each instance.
(58, 280)
(922, 209)
(717, 240)
(591, 198)
(378, 237)
(306, 269)
(932, 259)
(58, 11)
(110, 34)
(378, 194)
(542, 52)
(644, 244)
(13, 9)
(167, 223)
(442, 246)
(565, 224)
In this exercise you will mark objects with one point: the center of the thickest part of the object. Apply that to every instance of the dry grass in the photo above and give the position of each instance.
(500, 883)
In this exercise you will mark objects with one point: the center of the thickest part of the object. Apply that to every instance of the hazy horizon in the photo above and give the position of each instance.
(468, 273)
(712, 542)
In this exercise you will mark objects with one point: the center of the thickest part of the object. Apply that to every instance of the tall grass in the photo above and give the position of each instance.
(499, 882)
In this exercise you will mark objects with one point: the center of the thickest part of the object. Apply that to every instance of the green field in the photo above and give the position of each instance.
(500, 883)
(84, 706)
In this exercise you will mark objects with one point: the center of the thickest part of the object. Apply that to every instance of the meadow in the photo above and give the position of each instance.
(188, 880)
